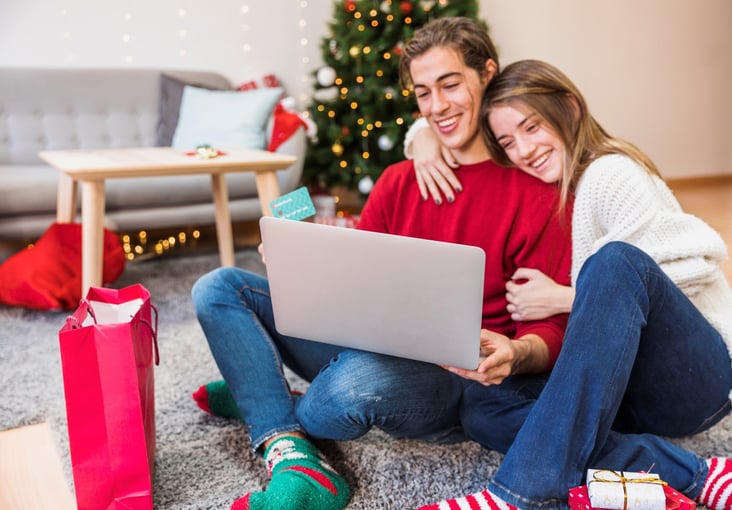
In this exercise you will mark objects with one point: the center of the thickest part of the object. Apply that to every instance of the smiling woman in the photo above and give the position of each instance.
(638, 260)
(519, 132)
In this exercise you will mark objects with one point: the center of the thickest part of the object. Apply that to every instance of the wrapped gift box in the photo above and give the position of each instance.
(624, 490)
(579, 499)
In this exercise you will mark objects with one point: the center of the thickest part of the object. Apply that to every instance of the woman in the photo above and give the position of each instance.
(647, 348)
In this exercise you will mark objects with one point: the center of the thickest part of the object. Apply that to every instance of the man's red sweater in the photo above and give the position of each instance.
(509, 214)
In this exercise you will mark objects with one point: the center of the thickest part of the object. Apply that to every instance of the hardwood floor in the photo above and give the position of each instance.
(31, 476)
(711, 200)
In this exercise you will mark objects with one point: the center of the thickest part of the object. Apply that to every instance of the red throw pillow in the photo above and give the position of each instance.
(47, 276)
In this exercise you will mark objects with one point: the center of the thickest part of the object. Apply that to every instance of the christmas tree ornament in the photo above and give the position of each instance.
(406, 7)
(326, 76)
(337, 149)
(326, 95)
(365, 185)
(350, 6)
(385, 6)
(385, 143)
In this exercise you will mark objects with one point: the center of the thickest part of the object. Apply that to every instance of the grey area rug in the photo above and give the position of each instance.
(204, 462)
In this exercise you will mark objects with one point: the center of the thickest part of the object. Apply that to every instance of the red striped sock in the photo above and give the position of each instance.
(483, 500)
(717, 491)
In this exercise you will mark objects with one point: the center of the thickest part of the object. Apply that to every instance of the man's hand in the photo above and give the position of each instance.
(505, 357)
(260, 249)
(498, 363)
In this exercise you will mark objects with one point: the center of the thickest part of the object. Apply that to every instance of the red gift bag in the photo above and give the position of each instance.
(108, 347)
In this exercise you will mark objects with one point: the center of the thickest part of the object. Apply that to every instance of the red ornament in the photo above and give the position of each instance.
(405, 7)
(247, 85)
(350, 5)
(345, 131)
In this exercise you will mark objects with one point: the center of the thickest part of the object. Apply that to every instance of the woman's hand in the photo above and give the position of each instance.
(433, 166)
(532, 295)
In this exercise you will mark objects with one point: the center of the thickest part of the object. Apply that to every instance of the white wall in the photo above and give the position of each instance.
(654, 71)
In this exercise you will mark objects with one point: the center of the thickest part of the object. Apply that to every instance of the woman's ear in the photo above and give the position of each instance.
(491, 68)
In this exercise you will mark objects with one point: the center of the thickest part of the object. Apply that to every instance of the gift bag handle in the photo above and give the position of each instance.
(154, 331)
(74, 323)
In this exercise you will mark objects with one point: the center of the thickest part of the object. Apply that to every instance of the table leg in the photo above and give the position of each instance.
(224, 232)
(268, 188)
(65, 199)
(92, 234)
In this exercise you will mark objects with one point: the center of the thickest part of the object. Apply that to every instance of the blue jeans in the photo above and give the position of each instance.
(350, 391)
(638, 361)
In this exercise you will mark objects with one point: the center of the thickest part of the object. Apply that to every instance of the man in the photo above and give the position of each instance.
(508, 214)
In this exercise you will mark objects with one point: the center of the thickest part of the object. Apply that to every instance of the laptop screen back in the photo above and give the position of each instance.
(396, 295)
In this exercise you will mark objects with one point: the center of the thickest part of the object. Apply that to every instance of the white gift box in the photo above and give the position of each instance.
(623, 490)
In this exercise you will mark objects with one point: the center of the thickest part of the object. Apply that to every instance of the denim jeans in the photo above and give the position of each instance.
(350, 391)
(638, 361)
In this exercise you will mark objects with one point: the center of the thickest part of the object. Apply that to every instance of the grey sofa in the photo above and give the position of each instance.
(46, 109)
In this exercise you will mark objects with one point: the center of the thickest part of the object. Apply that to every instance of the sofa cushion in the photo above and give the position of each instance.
(47, 276)
(223, 118)
(28, 189)
(171, 93)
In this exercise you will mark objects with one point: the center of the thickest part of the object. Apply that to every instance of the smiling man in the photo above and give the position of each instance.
(507, 213)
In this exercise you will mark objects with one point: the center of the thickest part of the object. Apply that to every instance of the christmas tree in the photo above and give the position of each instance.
(359, 108)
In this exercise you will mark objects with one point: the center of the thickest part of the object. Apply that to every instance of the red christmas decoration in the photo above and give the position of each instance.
(345, 131)
(405, 7)
(271, 81)
(247, 85)
(350, 5)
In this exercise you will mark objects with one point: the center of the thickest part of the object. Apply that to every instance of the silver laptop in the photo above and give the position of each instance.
(396, 295)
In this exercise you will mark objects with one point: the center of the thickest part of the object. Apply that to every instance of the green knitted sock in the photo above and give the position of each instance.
(215, 398)
(301, 479)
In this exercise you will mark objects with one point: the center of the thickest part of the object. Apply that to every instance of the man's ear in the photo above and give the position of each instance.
(491, 68)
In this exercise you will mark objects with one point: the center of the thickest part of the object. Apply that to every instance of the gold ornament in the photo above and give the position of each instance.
(337, 149)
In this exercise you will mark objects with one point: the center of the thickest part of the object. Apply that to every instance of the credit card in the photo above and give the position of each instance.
(295, 205)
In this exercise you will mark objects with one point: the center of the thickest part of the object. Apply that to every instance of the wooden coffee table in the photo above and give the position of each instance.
(92, 167)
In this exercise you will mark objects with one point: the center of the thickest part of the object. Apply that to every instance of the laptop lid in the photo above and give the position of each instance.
(396, 295)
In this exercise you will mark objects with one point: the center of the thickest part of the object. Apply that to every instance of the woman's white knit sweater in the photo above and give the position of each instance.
(618, 200)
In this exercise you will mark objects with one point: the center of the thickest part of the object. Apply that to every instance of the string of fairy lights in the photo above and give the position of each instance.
(139, 245)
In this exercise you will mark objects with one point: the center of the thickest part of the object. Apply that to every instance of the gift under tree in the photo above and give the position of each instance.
(360, 111)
